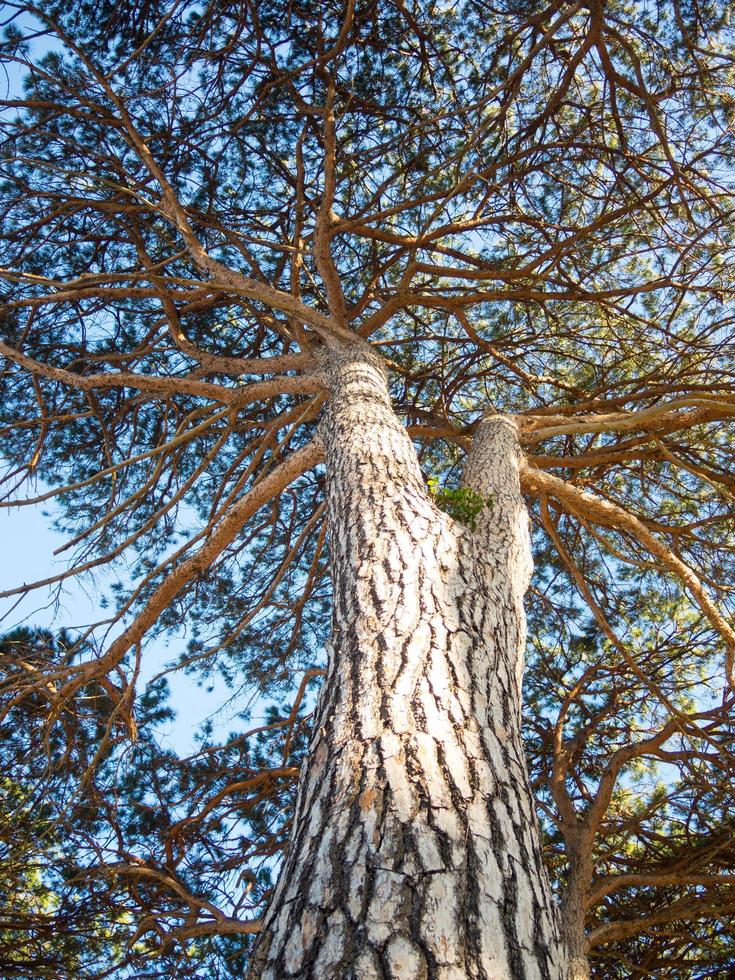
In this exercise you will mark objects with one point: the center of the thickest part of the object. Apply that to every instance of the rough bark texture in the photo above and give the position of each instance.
(575, 940)
(415, 850)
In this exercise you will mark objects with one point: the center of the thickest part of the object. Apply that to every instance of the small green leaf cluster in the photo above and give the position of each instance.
(461, 503)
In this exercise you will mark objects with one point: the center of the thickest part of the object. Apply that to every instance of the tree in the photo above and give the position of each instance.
(115, 854)
(52, 926)
(309, 307)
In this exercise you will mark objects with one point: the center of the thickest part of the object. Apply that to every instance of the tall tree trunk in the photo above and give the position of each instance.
(415, 849)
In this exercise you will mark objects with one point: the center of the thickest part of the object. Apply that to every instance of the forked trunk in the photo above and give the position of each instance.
(415, 849)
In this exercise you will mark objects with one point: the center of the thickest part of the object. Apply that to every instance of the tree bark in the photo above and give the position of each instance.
(415, 850)
(572, 924)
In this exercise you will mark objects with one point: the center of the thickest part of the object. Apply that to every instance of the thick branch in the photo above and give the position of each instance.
(286, 472)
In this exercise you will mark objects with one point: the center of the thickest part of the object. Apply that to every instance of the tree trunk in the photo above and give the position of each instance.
(573, 917)
(415, 850)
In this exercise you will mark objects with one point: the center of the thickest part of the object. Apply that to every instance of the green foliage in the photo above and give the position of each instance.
(461, 503)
